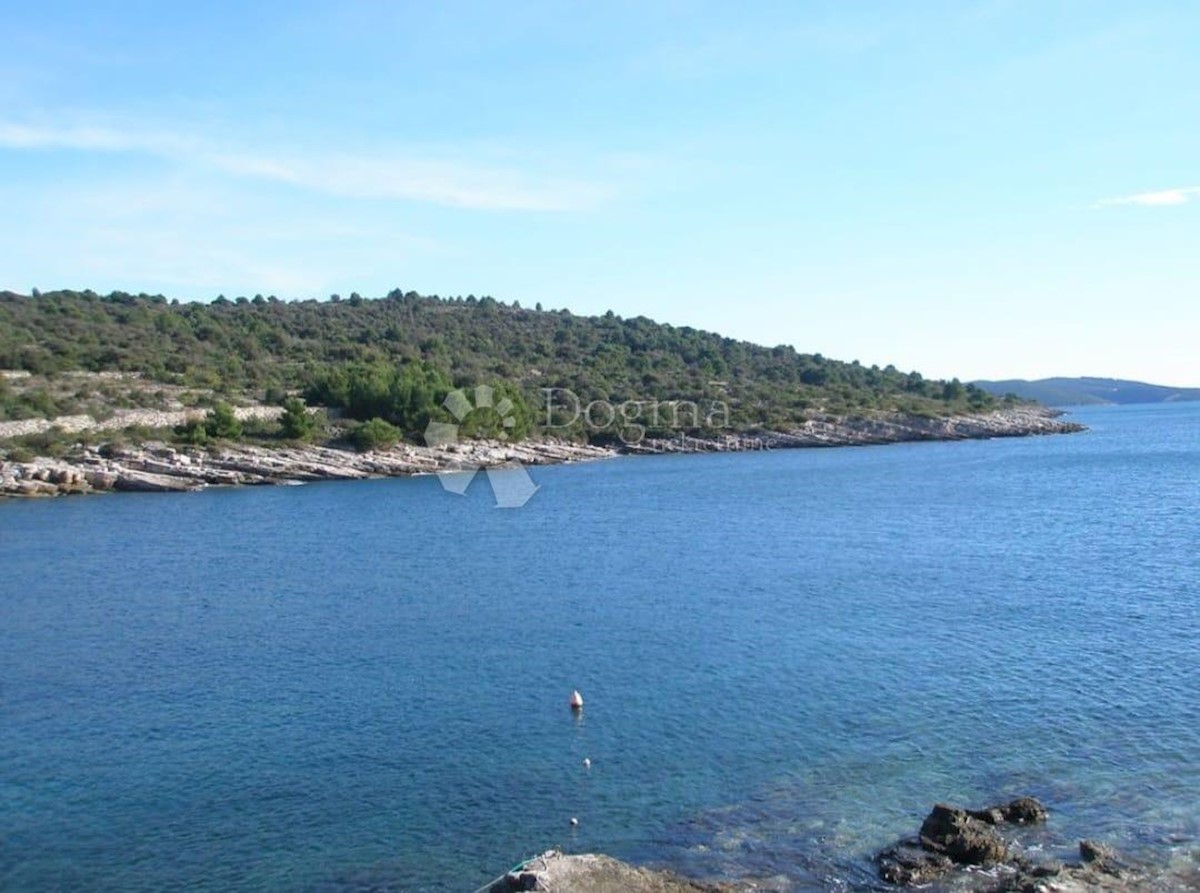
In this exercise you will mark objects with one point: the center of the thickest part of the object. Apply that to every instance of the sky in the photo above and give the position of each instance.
(980, 189)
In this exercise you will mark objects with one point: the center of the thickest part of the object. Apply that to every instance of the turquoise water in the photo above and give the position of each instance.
(787, 657)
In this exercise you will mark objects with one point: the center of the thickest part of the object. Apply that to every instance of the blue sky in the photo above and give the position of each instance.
(979, 189)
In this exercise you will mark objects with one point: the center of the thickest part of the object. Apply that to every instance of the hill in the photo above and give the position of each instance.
(396, 357)
(1088, 391)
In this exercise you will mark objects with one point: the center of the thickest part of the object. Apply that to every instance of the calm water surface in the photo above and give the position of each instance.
(786, 656)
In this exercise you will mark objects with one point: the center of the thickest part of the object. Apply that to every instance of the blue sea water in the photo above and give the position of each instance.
(786, 658)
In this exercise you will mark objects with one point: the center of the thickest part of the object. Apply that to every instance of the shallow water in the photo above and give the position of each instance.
(787, 657)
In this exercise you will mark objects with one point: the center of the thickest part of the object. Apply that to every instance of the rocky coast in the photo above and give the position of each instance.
(875, 429)
(969, 850)
(160, 467)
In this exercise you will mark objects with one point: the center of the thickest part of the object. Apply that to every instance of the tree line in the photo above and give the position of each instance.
(395, 358)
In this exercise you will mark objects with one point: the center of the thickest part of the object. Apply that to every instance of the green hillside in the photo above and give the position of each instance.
(396, 357)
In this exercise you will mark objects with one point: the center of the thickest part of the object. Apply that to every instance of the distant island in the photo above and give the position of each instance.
(127, 391)
(1087, 391)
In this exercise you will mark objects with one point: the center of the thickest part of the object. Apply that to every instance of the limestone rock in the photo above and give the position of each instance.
(147, 482)
(590, 873)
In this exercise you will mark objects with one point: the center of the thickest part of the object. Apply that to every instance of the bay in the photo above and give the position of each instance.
(786, 657)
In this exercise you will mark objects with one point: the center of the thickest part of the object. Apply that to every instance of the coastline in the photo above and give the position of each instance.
(597, 873)
(159, 467)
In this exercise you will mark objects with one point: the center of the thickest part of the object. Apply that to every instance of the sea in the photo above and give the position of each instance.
(786, 657)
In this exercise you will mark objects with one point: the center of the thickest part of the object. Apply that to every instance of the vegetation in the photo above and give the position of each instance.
(408, 396)
(222, 424)
(374, 435)
(396, 358)
(297, 423)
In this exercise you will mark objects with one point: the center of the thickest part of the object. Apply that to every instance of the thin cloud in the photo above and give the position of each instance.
(397, 177)
(406, 179)
(1159, 199)
(85, 138)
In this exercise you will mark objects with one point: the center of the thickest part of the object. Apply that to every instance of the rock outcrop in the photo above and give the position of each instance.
(962, 837)
(955, 844)
(555, 872)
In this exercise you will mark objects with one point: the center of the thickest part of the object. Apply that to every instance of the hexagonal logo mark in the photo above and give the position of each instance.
(511, 484)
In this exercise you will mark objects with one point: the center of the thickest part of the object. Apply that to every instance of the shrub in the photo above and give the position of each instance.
(296, 423)
(374, 435)
(192, 432)
(222, 423)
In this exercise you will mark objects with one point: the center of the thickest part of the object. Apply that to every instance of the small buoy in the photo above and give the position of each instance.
(587, 763)
(574, 821)
(576, 700)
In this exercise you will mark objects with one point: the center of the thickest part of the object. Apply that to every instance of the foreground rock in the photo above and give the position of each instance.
(980, 850)
(555, 872)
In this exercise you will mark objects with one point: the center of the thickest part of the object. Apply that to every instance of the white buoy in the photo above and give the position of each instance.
(574, 821)
(576, 700)
(587, 763)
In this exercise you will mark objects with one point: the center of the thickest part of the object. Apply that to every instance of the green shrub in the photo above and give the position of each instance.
(221, 422)
(296, 423)
(192, 432)
(20, 454)
(374, 435)
(52, 443)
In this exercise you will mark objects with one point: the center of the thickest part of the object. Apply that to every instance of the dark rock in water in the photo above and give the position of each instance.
(908, 865)
(954, 842)
(1024, 811)
(1043, 870)
(993, 815)
(1098, 854)
(966, 840)
(953, 839)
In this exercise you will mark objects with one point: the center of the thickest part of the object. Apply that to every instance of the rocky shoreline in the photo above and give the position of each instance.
(157, 467)
(988, 851)
(969, 850)
(877, 429)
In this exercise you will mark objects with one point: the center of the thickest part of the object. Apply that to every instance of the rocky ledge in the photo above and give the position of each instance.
(159, 467)
(156, 467)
